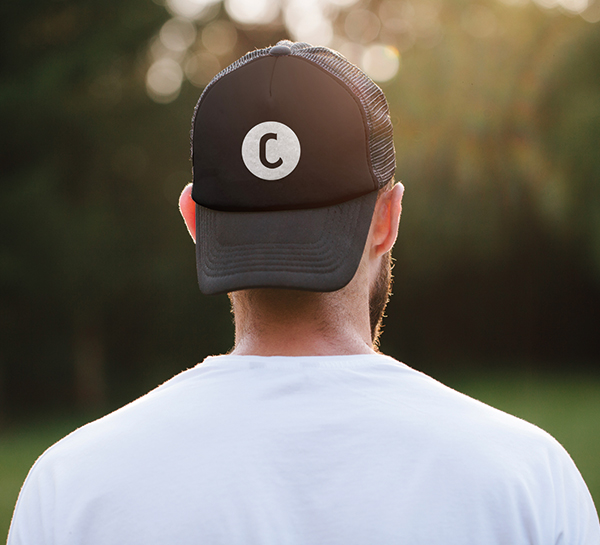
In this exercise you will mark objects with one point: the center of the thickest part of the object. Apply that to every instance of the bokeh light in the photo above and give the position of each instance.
(381, 62)
(547, 4)
(163, 80)
(569, 6)
(201, 67)
(592, 13)
(201, 39)
(574, 6)
(342, 3)
(177, 34)
(191, 9)
(397, 20)
(396, 15)
(352, 51)
(219, 37)
(157, 51)
(306, 22)
(252, 12)
(362, 26)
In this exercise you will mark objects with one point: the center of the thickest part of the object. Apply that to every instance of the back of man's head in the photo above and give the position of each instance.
(290, 146)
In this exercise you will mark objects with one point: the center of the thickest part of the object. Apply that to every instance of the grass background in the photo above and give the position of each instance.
(568, 407)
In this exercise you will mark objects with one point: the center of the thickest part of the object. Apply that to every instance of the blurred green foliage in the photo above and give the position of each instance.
(497, 136)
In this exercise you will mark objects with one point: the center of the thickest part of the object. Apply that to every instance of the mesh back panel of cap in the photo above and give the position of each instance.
(371, 97)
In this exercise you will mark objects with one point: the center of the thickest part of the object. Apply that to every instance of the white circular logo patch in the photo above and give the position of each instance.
(271, 150)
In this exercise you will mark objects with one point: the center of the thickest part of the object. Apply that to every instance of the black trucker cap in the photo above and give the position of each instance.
(290, 145)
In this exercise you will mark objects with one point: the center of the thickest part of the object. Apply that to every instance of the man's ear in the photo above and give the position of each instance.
(187, 207)
(386, 220)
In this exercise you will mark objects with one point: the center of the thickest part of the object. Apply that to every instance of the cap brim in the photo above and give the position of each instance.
(315, 249)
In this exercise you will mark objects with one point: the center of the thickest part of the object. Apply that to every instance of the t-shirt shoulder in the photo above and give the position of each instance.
(378, 380)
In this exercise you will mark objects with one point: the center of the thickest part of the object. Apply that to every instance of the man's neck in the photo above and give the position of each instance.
(298, 343)
(297, 324)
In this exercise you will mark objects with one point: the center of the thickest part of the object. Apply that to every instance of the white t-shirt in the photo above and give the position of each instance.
(338, 450)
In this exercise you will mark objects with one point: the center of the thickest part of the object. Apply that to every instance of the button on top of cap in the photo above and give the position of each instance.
(278, 50)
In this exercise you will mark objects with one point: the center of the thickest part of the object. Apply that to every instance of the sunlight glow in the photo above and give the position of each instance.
(381, 62)
(427, 23)
(411, 22)
(479, 21)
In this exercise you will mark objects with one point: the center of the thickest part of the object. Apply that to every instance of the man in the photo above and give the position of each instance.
(304, 434)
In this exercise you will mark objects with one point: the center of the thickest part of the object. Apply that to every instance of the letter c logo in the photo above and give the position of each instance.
(263, 151)
(271, 150)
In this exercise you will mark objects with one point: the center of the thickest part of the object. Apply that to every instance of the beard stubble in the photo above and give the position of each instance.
(379, 297)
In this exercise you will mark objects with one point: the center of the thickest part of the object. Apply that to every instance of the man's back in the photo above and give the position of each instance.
(337, 450)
